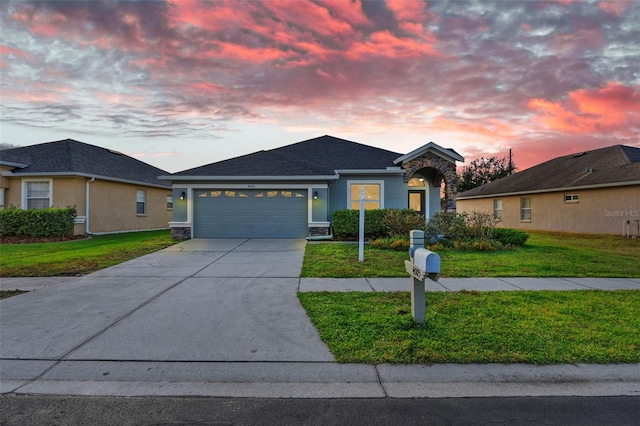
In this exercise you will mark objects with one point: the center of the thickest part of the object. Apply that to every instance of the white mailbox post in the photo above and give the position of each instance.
(424, 263)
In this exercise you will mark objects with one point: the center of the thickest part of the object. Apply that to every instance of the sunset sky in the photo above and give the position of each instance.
(183, 83)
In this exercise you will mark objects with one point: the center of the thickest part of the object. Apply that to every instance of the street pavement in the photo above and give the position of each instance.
(221, 318)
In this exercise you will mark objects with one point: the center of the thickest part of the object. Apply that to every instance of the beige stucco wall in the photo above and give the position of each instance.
(112, 205)
(598, 211)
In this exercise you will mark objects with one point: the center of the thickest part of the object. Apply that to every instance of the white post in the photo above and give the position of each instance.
(361, 230)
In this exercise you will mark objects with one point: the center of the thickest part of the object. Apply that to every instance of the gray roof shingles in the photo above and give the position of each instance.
(314, 157)
(611, 165)
(71, 156)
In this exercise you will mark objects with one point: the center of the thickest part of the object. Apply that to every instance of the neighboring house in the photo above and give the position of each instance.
(590, 192)
(291, 192)
(112, 192)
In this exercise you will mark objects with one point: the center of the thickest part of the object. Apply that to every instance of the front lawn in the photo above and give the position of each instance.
(545, 254)
(541, 327)
(78, 257)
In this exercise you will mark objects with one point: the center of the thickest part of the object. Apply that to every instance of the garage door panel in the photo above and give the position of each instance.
(250, 213)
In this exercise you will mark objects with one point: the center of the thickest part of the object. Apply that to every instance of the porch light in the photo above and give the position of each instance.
(183, 195)
(421, 179)
(315, 195)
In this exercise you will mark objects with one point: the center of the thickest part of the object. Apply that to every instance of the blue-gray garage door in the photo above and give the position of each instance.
(250, 213)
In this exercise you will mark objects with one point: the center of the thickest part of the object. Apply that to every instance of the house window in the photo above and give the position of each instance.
(169, 202)
(497, 209)
(37, 194)
(525, 209)
(570, 198)
(372, 195)
(141, 202)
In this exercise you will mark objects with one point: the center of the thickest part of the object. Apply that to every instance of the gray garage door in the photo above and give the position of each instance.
(250, 213)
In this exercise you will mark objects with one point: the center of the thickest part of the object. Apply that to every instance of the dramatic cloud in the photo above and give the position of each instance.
(183, 82)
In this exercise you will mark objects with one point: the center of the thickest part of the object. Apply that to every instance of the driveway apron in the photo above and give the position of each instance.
(200, 300)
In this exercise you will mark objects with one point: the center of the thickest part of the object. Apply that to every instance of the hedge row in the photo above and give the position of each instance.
(51, 222)
(377, 223)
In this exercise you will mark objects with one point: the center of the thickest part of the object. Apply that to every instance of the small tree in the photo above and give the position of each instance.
(484, 170)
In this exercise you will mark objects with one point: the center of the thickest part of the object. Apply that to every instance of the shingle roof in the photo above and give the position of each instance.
(318, 156)
(71, 156)
(611, 165)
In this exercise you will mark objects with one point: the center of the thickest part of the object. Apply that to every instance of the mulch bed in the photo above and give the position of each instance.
(30, 240)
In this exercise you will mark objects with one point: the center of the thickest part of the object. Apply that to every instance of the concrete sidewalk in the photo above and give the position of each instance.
(221, 318)
(396, 284)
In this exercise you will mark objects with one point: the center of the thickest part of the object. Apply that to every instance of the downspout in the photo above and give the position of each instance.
(86, 206)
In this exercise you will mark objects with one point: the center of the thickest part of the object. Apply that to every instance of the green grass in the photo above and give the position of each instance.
(541, 327)
(546, 254)
(78, 257)
(9, 293)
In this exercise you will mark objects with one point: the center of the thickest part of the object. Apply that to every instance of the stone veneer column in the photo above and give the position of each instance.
(446, 168)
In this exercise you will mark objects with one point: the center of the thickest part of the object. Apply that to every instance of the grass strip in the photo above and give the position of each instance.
(79, 257)
(546, 254)
(541, 327)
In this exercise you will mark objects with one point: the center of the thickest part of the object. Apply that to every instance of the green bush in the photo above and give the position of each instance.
(402, 221)
(510, 237)
(51, 222)
(346, 224)
(380, 223)
(446, 225)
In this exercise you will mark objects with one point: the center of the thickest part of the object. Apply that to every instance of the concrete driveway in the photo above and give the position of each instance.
(201, 300)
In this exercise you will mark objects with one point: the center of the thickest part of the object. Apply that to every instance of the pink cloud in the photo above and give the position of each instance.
(611, 108)
(614, 8)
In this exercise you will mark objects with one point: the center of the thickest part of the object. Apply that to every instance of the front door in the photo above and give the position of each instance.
(416, 201)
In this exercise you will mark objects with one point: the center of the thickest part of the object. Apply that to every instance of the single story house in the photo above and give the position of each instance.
(291, 191)
(594, 191)
(112, 192)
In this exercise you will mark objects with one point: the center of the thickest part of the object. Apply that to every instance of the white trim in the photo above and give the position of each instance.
(1, 198)
(179, 224)
(24, 191)
(249, 186)
(543, 191)
(365, 182)
(12, 164)
(387, 171)
(249, 178)
(440, 151)
(80, 219)
(36, 176)
(319, 224)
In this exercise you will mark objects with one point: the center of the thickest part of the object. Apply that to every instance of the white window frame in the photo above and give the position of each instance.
(380, 183)
(497, 212)
(170, 202)
(144, 193)
(25, 183)
(523, 209)
(571, 198)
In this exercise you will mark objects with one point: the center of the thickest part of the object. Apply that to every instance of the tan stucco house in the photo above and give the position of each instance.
(589, 192)
(112, 192)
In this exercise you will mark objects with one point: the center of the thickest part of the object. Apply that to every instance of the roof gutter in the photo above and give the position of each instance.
(541, 191)
(249, 178)
(84, 175)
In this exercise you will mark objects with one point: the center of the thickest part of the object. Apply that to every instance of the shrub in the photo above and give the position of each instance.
(446, 225)
(398, 243)
(402, 222)
(51, 222)
(481, 225)
(346, 224)
(510, 237)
